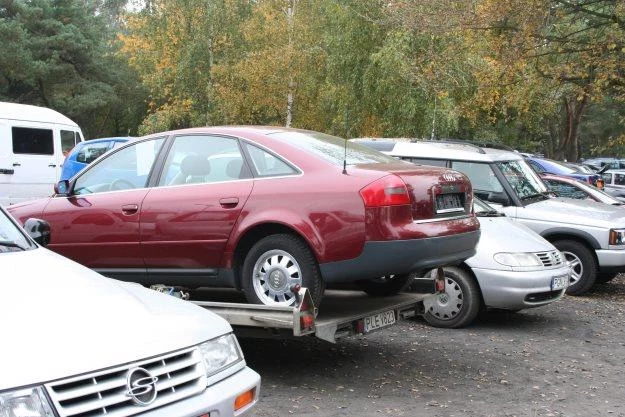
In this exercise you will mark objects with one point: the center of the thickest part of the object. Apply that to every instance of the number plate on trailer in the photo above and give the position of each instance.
(449, 202)
(557, 283)
(377, 321)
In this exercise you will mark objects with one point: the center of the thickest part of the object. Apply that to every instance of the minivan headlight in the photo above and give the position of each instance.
(220, 353)
(517, 259)
(31, 402)
(617, 238)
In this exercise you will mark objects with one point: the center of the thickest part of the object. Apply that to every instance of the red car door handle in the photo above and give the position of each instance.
(129, 209)
(229, 202)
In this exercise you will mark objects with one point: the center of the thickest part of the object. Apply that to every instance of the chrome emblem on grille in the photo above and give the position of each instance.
(448, 176)
(141, 386)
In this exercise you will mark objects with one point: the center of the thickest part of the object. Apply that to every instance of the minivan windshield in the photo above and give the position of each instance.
(523, 179)
(332, 148)
(11, 237)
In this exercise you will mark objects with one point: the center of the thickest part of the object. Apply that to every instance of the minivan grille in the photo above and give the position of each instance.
(180, 375)
(552, 258)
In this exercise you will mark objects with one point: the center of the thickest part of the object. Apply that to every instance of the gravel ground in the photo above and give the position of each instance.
(564, 359)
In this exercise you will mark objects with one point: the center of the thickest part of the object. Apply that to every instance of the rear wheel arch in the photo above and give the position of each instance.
(253, 235)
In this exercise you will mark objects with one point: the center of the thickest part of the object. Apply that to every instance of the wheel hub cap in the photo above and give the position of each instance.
(277, 280)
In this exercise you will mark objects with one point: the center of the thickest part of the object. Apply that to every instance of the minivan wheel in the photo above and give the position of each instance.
(603, 277)
(385, 285)
(459, 305)
(274, 265)
(583, 265)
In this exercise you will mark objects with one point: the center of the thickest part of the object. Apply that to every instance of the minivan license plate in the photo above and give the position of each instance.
(377, 321)
(557, 283)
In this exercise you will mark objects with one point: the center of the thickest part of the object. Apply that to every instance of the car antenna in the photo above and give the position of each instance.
(345, 158)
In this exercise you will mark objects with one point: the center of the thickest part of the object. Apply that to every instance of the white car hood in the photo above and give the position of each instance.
(500, 234)
(59, 319)
(571, 211)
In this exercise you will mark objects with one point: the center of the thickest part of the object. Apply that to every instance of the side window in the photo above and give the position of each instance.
(267, 164)
(69, 139)
(607, 178)
(126, 169)
(31, 141)
(481, 175)
(90, 153)
(421, 161)
(536, 167)
(197, 159)
(619, 179)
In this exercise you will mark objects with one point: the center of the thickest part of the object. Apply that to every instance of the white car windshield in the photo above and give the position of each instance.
(11, 237)
(522, 178)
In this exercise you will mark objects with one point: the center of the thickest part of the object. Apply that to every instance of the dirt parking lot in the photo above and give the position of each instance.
(565, 359)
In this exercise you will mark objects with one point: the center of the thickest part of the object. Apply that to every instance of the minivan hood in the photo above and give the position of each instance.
(571, 211)
(500, 234)
(61, 319)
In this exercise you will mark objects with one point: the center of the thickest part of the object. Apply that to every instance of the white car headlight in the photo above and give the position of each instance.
(517, 259)
(27, 402)
(220, 353)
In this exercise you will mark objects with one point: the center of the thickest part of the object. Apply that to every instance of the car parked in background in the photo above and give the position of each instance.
(614, 182)
(79, 344)
(591, 236)
(549, 166)
(513, 269)
(572, 188)
(86, 152)
(598, 163)
(262, 209)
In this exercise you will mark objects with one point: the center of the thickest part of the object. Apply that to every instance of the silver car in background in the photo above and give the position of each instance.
(513, 269)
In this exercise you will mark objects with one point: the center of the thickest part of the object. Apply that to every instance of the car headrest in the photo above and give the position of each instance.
(195, 165)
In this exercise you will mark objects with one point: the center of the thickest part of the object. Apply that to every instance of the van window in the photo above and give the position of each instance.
(481, 175)
(69, 139)
(31, 141)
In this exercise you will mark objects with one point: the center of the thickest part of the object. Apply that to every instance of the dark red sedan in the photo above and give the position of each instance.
(259, 209)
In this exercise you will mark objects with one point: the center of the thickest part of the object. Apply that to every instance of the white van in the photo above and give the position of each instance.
(33, 143)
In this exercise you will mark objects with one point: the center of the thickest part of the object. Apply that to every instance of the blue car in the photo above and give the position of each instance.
(549, 166)
(86, 152)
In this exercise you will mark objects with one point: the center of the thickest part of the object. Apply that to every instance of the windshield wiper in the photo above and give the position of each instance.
(12, 244)
(543, 195)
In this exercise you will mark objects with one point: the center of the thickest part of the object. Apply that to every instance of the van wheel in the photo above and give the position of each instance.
(459, 305)
(274, 264)
(385, 285)
(603, 277)
(583, 265)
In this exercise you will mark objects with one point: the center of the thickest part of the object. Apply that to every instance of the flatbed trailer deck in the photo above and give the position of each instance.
(341, 313)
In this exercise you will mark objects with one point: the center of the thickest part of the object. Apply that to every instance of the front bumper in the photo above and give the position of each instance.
(512, 290)
(380, 258)
(216, 400)
(611, 260)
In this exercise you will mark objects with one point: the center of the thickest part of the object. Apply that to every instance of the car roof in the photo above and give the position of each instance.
(452, 151)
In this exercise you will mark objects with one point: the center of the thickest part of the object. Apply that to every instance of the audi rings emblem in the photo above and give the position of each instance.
(448, 176)
(141, 386)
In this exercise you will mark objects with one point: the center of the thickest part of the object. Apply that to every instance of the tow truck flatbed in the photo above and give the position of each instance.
(342, 313)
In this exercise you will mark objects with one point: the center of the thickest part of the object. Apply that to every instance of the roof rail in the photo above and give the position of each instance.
(478, 144)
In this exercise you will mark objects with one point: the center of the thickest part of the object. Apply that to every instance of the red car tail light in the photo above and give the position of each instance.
(387, 191)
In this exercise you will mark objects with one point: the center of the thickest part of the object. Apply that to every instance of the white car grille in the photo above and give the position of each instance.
(104, 393)
(552, 258)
